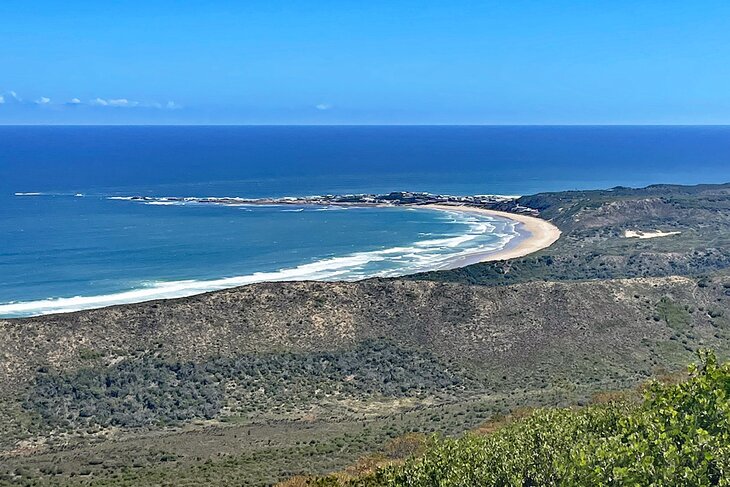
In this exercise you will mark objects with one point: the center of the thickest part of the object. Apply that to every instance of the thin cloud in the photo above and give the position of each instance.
(11, 97)
(323, 106)
(122, 102)
(113, 102)
(126, 103)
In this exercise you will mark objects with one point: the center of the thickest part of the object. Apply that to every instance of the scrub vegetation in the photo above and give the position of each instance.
(678, 435)
(277, 381)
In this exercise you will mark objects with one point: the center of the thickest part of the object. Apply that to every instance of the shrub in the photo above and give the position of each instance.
(678, 436)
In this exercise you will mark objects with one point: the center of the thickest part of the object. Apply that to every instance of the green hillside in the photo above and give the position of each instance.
(273, 381)
(678, 436)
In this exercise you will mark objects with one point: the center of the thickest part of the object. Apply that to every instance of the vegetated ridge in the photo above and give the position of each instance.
(254, 385)
(678, 435)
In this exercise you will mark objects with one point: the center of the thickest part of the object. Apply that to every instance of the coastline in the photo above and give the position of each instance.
(531, 234)
(535, 234)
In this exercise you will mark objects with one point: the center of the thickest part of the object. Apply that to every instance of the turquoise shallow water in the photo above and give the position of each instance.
(116, 251)
(72, 246)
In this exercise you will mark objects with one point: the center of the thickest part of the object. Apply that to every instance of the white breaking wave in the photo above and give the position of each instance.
(28, 194)
(424, 255)
(333, 208)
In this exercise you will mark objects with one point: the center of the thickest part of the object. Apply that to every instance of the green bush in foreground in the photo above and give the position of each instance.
(678, 436)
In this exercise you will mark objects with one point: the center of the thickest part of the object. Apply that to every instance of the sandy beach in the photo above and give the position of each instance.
(535, 234)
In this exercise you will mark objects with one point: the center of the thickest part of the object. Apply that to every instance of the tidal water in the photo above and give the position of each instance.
(68, 239)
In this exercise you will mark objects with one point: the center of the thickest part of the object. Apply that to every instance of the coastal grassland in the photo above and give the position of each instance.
(594, 246)
(233, 452)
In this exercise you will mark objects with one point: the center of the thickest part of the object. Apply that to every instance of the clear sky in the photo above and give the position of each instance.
(340, 62)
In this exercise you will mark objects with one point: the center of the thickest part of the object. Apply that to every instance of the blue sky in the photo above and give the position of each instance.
(377, 62)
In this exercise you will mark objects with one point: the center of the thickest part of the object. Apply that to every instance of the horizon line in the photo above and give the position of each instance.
(364, 125)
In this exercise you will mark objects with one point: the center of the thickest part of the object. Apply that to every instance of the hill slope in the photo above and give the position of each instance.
(256, 384)
(679, 435)
(594, 243)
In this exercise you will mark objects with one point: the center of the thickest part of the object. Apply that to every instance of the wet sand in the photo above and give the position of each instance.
(534, 234)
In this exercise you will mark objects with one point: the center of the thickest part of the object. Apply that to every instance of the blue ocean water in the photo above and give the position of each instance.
(74, 245)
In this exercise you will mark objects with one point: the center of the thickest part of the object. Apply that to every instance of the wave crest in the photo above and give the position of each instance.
(482, 235)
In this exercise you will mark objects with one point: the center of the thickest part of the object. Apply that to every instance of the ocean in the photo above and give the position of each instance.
(70, 240)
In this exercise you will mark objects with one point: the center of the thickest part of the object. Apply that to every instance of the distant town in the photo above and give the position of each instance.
(395, 198)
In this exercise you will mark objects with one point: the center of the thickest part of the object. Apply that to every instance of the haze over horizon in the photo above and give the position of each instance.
(401, 62)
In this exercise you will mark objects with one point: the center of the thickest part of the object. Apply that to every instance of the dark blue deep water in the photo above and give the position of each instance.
(72, 247)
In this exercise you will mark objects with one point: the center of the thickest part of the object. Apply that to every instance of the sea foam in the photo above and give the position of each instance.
(477, 238)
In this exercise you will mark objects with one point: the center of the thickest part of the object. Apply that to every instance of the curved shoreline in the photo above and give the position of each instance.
(541, 234)
(531, 234)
